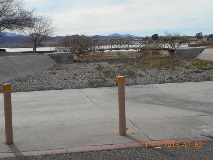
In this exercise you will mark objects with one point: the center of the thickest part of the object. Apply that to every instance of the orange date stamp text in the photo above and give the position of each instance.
(172, 144)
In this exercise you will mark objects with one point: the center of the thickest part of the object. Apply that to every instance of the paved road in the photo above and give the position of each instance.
(48, 120)
(182, 153)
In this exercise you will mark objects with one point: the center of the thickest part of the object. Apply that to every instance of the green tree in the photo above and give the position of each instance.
(155, 37)
(199, 35)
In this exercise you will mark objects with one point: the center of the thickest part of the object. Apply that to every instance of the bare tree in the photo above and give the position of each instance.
(40, 32)
(210, 37)
(78, 44)
(13, 16)
(175, 39)
(172, 36)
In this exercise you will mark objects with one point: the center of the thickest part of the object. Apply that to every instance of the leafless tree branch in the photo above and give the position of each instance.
(40, 32)
(13, 16)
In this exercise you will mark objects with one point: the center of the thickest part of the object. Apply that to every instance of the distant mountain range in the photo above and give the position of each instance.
(120, 35)
(12, 39)
(8, 34)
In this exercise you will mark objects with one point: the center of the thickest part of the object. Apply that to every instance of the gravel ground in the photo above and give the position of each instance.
(182, 153)
(90, 74)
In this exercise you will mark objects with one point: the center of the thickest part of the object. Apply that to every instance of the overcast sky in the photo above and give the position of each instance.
(137, 17)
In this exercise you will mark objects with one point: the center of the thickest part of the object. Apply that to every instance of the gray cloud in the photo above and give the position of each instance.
(107, 16)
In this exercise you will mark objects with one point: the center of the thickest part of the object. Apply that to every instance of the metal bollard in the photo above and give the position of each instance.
(8, 113)
(121, 104)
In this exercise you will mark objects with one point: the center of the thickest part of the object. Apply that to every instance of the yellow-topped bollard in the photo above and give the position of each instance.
(8, 113)
(121, 105)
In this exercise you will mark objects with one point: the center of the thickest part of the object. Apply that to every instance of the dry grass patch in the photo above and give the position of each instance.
(202, 64)
(161, 62)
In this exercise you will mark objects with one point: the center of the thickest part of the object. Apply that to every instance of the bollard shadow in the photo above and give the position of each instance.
(14, 149)
(166, 153)
(208, 136)
(132, 138)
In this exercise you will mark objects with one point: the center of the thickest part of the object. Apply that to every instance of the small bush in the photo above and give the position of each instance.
(155, 52)
(109, 73)
(99, 68)
(160, 62)
(126, 71)
(203, 64)
(119, 53)
(95, 83)
(52, 72)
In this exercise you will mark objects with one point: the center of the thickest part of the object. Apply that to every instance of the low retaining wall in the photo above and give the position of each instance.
(188, 52)
(17, 66)
(62, 57)
(200, 44)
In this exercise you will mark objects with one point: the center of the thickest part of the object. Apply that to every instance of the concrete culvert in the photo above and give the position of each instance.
(2, 50)
(19, 66)
(63, 57)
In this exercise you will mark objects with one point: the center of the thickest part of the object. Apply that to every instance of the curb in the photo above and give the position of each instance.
(149, 144)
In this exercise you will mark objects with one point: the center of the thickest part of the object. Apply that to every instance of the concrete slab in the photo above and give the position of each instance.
(17, 66)
(62, 57)
(83, 117)
(189, 52)
(207, 54)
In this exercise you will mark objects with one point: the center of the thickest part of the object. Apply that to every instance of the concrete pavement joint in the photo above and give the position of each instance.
(139, 129)
(208, 136)
(187, 105)
(177, 117)
(117, 114)
(61, 128)
(96, 104)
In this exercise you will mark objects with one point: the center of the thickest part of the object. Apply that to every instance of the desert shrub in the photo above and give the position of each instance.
(95, 83)
(109, 73)
(122, 56)
(161, 62)
(155, 52)
(118, 54)
(99, 67)
(126, 71)
(129, 73)
(52, 72)
(202, 64)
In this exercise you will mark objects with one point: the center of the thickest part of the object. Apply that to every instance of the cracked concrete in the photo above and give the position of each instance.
(83, 117)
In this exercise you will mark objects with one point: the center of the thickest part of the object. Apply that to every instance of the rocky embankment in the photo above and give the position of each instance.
(103, 74)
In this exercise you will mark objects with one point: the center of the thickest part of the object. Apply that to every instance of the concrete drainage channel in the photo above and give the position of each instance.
(22, 65)
(17, 65)
(63, 57)
(185, 53)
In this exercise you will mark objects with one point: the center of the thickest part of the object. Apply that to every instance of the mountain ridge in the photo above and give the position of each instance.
(13, 39)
